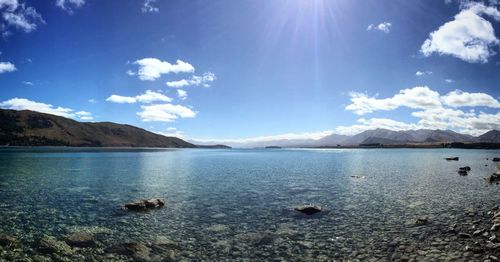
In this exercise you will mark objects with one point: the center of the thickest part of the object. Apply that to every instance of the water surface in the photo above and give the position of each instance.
(238, 204)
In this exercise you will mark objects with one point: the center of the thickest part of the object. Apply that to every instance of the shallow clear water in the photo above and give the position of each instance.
(237, 204)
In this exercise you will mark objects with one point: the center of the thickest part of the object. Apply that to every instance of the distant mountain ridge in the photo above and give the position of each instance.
(388, 137)
(29, 128)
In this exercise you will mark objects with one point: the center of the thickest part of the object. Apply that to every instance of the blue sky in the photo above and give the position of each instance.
(219, 70)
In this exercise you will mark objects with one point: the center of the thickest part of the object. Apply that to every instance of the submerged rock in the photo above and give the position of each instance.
(50, 245)
(7, 241)
(145, 204)
(137, 251)
(496, 159)
(80, 240)
(452, 158)
(465, 168)
(421, 221)
(308, 209)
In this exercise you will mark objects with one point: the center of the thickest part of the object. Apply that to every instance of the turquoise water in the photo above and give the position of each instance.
(238, 204)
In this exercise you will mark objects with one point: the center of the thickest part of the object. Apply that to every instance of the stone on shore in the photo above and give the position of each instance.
(308, 209)
(452, 158)
(145, 204)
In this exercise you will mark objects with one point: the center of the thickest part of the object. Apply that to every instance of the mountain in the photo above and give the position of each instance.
(330, 140)
(29, 128)
(385, 136)
(490, 136)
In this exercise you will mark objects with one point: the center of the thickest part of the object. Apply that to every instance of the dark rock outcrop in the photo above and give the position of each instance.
(452, 158)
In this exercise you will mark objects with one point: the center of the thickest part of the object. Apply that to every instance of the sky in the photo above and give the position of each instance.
(214, 71)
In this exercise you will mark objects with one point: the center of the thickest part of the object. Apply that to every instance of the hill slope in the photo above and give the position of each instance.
(490, 136)
(29, 128)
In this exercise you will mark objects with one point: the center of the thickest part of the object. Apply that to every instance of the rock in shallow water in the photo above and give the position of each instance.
(137, 251)
(452, 158)
(494, 177)
(7, 241)
(145, 204)
(81, 239)
(308, 209)
(50, 245)
(421, 221)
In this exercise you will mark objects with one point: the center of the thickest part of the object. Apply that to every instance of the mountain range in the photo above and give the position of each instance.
(29, 128)
(390, 137)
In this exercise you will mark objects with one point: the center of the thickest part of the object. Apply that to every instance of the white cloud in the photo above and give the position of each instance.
(92, 101)
(458, 98)
(14, 14)
(203, 80)
(151, 96)
(449, 80)
(25, 104)
(417, 97)
(148, 97)
(171, 131)
(165, 112)
(182, 94)
(130, 73)
(384, 27)
(151, 69)
(469, 36)
(439, 112)
(28, 83)
(84, 115)
(6, 67)
(121, 99)
(421, 73)
(69, 5)
(148, 7)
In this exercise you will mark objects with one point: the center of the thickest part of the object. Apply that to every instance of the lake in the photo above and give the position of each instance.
(238, 204)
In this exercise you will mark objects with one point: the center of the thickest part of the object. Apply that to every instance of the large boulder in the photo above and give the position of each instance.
(145, 204)
(308, 209)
